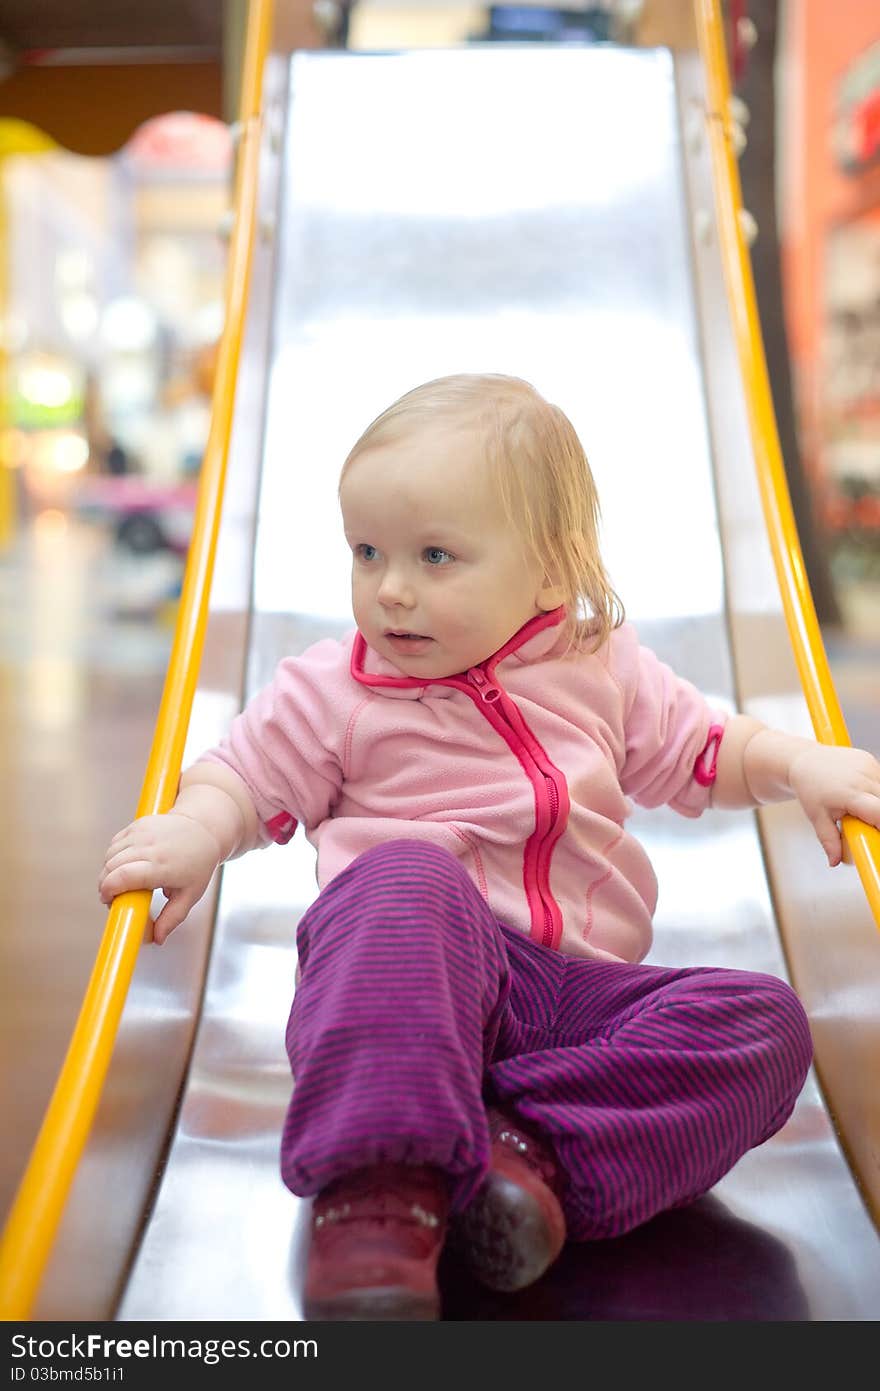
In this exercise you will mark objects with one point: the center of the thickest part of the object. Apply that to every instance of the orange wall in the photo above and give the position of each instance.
(94, 110)
(821, 40)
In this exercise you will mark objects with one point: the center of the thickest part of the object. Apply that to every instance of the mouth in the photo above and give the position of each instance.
(407, 644)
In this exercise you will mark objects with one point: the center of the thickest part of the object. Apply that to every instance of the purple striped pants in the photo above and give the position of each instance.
(416, 1008)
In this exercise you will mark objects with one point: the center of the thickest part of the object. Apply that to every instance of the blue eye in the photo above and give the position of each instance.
(435, 555)
(365, 552)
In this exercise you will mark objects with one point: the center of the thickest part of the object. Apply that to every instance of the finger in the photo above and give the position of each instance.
(829, 837)
(866, 806)
(138, 852)
(121, 857)
(115, 853)
(172, 916)
(124, 834)
(139, 874)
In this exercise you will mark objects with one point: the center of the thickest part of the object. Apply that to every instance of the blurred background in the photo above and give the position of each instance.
(117, 145)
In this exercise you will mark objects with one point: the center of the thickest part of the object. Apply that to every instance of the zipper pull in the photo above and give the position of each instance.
(488, 692)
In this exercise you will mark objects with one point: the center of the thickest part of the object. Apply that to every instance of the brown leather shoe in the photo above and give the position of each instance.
(514, 1229)
(376, 1238)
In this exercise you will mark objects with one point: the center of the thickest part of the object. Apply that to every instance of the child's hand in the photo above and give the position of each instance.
(173, 852)
(831, 783)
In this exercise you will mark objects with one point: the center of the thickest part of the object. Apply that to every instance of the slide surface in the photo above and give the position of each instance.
(523, 211)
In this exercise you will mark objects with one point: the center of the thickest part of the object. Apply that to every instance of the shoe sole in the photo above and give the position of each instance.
(506, 1238)
(391, 1304)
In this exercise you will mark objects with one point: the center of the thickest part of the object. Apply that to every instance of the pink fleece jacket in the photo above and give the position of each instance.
(522, 767)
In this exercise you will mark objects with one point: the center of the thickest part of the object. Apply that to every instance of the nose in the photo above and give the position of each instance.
(395, 591)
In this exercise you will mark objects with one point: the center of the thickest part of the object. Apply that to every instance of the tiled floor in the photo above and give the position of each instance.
(84, 639)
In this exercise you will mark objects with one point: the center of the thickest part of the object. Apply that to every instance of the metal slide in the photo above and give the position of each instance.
(532, 211)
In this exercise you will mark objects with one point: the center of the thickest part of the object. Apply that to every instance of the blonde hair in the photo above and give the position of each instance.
(543, 478)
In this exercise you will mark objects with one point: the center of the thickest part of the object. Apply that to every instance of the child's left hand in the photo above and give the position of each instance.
(832, 782)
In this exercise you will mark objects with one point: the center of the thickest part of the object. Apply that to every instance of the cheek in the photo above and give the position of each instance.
(359, 591)
(448, 604)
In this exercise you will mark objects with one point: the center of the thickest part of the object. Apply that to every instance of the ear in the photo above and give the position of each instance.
(549, 596)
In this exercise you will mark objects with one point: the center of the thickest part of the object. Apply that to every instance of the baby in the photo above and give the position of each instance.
(479, 1051)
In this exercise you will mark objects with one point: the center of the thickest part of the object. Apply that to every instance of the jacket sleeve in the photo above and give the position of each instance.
(671, 732)
(286, 745)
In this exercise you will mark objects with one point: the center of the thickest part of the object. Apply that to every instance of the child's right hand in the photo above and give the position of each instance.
(172, 852)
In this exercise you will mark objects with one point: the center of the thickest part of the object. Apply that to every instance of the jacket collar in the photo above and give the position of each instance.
(535, 639)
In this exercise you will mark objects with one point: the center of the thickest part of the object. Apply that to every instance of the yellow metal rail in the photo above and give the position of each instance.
(39, 1204)
(862, 841)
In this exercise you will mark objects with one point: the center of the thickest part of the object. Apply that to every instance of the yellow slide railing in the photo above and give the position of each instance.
(862, 841)
(39, 1204)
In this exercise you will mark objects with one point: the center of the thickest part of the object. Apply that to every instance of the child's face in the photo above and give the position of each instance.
(434, 556)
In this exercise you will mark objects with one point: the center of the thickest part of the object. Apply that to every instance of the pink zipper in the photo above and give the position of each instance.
(551, 798)
(552, 803)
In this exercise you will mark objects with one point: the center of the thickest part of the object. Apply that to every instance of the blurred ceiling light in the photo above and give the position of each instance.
(207, 322)
(128, 325)
(79, 315)
(60, 451)
(45, 386)
(73, 268)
